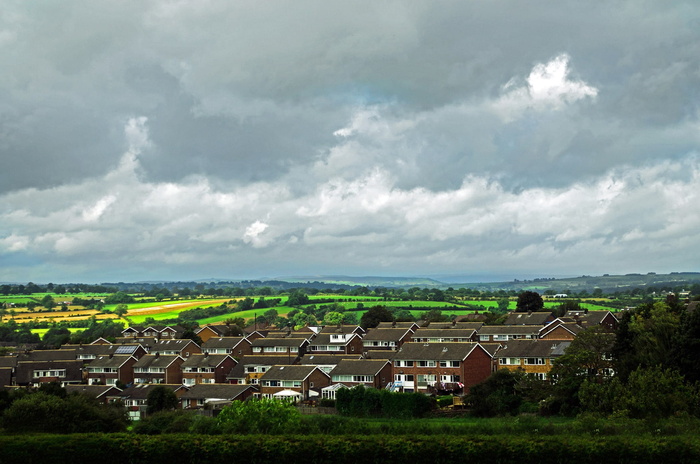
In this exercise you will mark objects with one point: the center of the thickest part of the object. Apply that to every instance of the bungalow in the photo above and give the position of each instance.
(215, 397)
(440, 367)
(305, 381)
(157, 368)
(135, 398)
(367, 372)
(99, 392)
(206, 368)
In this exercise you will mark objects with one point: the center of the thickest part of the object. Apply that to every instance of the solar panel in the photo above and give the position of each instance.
(125, 349)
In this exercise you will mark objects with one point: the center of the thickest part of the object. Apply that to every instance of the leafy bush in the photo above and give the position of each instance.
(369, 402)
(262, 415)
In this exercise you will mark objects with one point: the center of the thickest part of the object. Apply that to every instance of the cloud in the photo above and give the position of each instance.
(136, 139)
(548, 87)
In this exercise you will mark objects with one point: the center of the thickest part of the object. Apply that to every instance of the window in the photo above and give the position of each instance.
(534, 361)
(427, 363)
(449, 363)
(50, 373)
(484, 338)
(509, 361)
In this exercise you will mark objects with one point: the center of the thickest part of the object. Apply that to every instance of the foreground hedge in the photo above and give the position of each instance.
(252, 449)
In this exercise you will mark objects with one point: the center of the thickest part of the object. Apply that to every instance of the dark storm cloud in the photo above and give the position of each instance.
(404, 136)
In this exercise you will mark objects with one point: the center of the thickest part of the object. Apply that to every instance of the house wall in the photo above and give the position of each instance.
(560, 333)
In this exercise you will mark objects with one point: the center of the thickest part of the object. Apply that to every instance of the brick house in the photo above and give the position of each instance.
(529, 318)
(293, 347)
(181, 347)
(335, 343)
(440, 367)
(431, 335)
(503, 333)
(215, 396)
(386, 339)
(108, 370)
(250, 368)
(531, 356)
(206, 368)
(300, 379)
(235, 346)
(374, 373)
(157, 368)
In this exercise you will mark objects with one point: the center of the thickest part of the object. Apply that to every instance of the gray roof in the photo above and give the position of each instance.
(510, 330)
(289, 372)
(359, 367)
(47, 355)
(94, 391)
(215, 391)
(443, 333)
(140, 391)
(325, 359)
(8, 361)
(205, 360)
(535, 318)
(111, 361)
(532, 349)
(386, 334)
(346, 328)
(170, 344)
(456, 325)
(289, 342)
(223, 342)
(396, 325)
(151, 360)
(436, 351)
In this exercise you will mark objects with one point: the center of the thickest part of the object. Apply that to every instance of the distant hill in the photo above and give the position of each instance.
(367, 281)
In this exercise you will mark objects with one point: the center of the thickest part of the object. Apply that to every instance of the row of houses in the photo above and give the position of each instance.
(311, 363)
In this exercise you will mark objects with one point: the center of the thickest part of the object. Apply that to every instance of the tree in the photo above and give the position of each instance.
(48, 302)
(374, 316)
(497, 395)
(333, 318)
(160, 398)
(589, 355)
(121, 310)
(529, 301)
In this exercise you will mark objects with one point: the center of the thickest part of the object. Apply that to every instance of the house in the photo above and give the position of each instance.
(157, 368)
(135, 398)
(502, 333)
(560, 330)
(215, 396)
(386, 339)
(398, 325)
(431, 335)
(250, 368)
(534, 357)
(335, 343)
(303, 381)
(440, 367)
(456, 325)
(90, 352)
(590, 318)
(529, 318)
(153, 331)
(99, 392)
(181, 347)
(235, 346)
(34, 373)
(206, 368)
(375, 373)
(110, 369)
(343, 329)
(43, 366)
(326, 361)
(295, 347)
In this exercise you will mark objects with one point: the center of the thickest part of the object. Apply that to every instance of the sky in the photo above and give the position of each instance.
(185, 140)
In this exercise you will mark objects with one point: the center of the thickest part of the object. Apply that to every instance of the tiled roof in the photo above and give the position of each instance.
(111, 361)
(435, 351)
(386, 334)
(536, 318)
(288, 372)
(151, 360)
(359, 367)
(510, 330)
(205, 360)
(531, 348)
(215, 391)
(324, 359)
